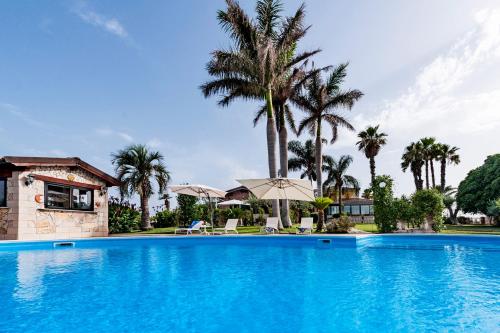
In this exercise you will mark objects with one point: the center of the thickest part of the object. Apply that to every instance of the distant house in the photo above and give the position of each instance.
(359, 209)
(52, 198)
(238, 193)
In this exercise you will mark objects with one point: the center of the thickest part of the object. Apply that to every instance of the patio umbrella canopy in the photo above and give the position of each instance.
(280, 188)
(198, 191)
(232, 203)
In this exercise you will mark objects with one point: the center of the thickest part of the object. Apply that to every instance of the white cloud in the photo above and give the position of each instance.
(107, 132)
(22, 116)
(111, 25)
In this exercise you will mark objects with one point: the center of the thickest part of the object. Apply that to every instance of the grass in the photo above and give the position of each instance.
(368, 227)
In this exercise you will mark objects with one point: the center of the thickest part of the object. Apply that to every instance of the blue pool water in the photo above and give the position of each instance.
(253, 284)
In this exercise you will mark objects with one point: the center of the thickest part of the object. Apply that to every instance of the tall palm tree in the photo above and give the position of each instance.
(135, 167)
(414, 158)
(371, 140)
(320, 100)
(337, 177)
(428, 149)
(446, 155)
(260, 57)
(304, 159)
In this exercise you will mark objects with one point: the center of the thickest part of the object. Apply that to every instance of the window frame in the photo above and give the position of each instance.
(4, 204)
(70, 197)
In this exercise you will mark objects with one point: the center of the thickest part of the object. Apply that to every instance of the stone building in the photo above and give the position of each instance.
(52, 198)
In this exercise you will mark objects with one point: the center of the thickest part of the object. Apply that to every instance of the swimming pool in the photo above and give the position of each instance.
(253, 284)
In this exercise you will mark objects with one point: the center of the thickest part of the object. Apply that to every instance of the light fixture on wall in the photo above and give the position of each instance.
(103, 191)
(29, 180)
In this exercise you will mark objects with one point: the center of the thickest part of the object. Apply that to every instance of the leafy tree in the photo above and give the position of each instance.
(320, 100)
(321, 203)
(414, 158)
(135, 167)
(494, 211)
(429, 206)
(371, 140)
(260, 58)
(186, 207)
(337, 176)
(383, 199)
(446, 154)
(367, 193)
(480, 187)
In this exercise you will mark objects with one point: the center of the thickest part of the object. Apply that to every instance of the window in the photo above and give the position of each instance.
(365, 210)
(347, 210)
(68, 197)
(3, 192)
(332, 210)
(355, 210)
(372, 211)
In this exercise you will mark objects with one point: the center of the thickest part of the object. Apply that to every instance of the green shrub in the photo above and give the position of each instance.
(429, 206)
(186, 209)
(341, 225)
(122, 216)
(385, 218)
(404, 211)
(165, 219)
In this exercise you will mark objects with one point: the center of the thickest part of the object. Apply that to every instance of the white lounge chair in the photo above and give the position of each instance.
(306, 226)
(231, 225)
(271, 225)
(195, 226)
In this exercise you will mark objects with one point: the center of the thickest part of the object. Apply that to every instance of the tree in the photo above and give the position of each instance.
(480, 187)
(258, 60)
(446, 154)
(383, 204)
(428, 206)
(337, 177)
(320, 100)
(304, 160)
(371, 140)
(449, 201)
(321, 203)
(428, 151)
(135, 167)
(166, 200)
(187, 210)
(413, 158)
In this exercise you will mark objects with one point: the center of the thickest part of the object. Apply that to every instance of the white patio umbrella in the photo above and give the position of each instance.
(279, 188)
(200, 191)
(232, 203)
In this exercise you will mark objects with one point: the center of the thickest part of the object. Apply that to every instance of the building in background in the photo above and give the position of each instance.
(52, 198)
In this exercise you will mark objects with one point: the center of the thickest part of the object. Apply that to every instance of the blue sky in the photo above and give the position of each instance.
(86, 78)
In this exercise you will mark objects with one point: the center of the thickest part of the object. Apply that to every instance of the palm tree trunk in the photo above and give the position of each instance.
(340, 198)
(432, 174)
(271, 148)
(427, 174)
(372, 168)
(283, 147)
(319, 162)
(443, 174)
(145, 223)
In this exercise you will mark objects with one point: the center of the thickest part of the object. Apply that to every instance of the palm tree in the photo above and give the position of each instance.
(320, 100)
(166, 200)
(428, 149)
(414, 158)
(336, 175)
(304, 159)
(449, 200)
(446, 155)
(258, 60)
(321, 203)
(135, 167)
(370, 143)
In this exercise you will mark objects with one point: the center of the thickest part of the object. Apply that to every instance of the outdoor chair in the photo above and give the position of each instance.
(231, 225)
(195, 226)
(271, 225)
(306, 226)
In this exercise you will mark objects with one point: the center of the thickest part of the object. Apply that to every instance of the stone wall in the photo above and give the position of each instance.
(9, 216)
(38, 223)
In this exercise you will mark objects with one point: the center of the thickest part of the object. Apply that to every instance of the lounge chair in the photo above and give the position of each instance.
(231, 225)
(271, 225)
(195, 226)
(306, 226)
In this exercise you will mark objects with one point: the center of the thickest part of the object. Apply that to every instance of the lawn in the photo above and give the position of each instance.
(368, 227)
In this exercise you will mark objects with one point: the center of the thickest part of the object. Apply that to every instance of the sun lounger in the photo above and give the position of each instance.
(195, 226)
(271, 225)
(231, 225)
(306, 226)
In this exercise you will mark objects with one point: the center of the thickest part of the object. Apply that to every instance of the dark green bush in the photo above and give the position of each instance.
(429, 206)
(385, 218)
(164, 219)
(122, 216)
